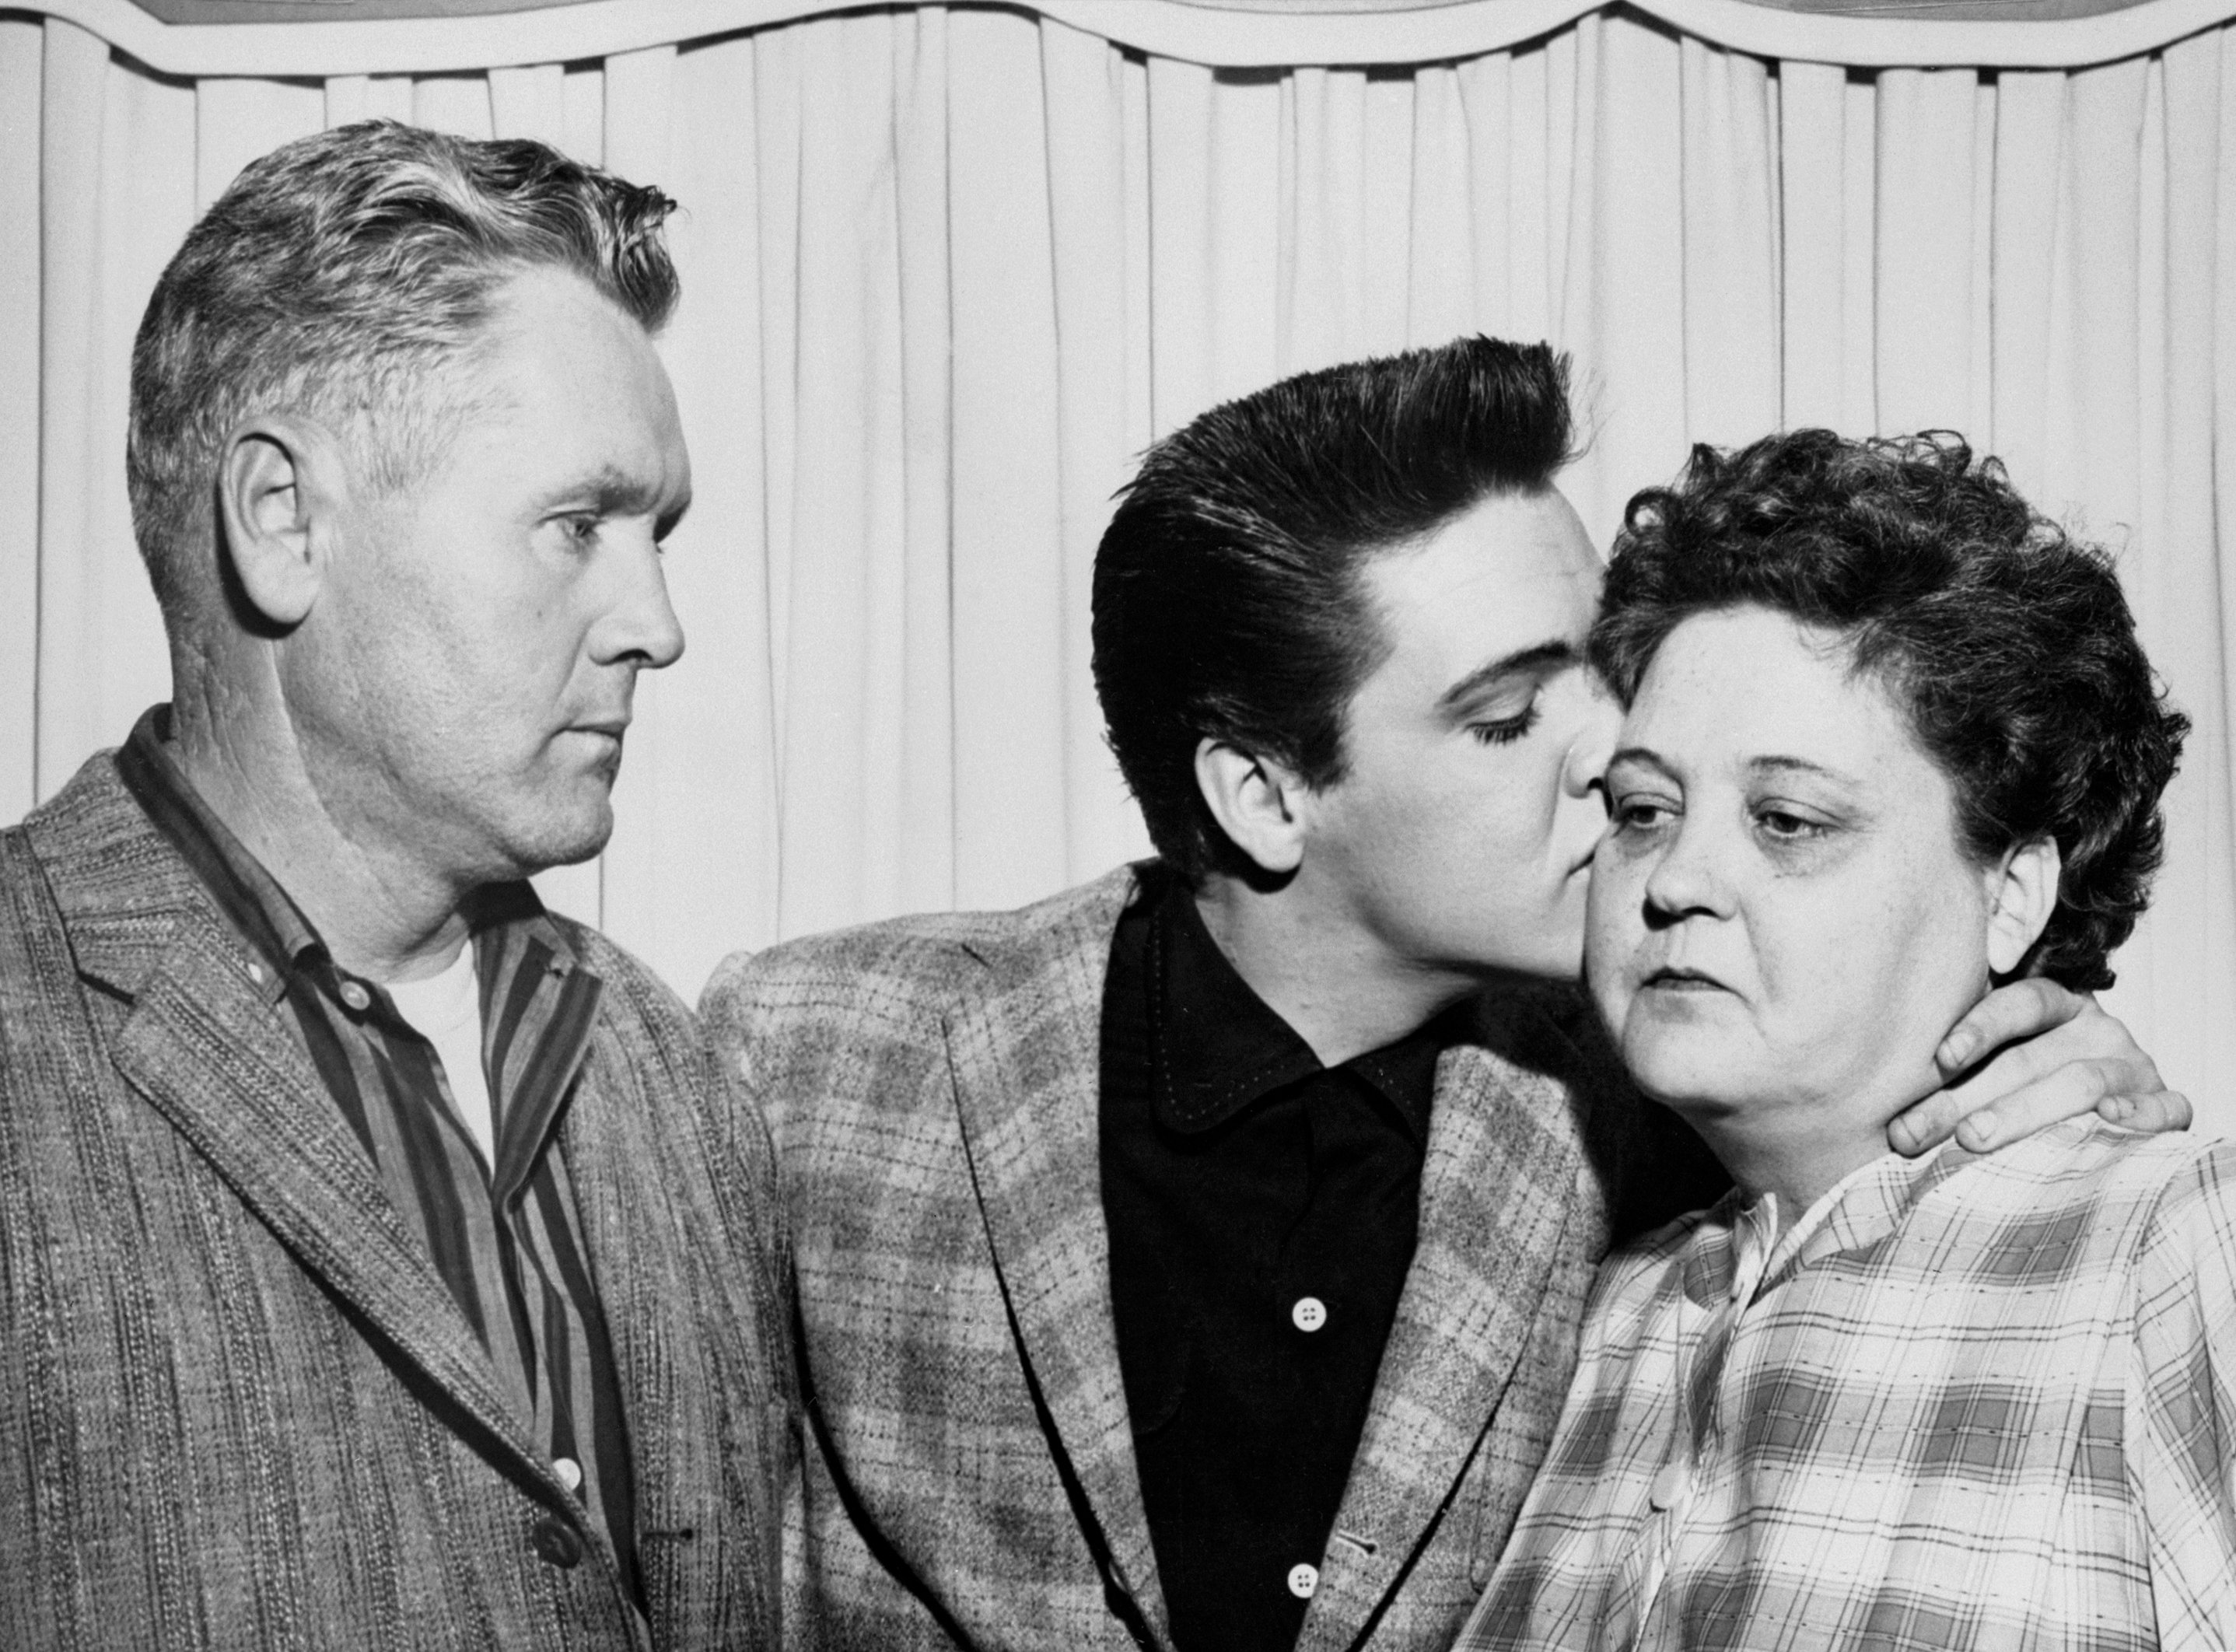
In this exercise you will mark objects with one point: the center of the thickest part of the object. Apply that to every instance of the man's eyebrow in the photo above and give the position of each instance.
(1538, 657)
(612, 491)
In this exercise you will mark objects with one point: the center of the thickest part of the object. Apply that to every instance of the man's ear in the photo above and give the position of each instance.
(1254, 800)
(2024, 894)
(268, 498)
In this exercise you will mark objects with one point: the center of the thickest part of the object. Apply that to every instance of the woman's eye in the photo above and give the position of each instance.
(1506, 730)
(1786, 825)
(1639, 814)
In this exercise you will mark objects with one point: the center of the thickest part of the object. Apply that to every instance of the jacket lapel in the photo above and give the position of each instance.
(206, 1047)
(679, 1312)
(1501, 1183)
(1027, 1059)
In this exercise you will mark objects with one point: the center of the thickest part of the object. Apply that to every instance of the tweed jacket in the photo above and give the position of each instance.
(970, 1476)
(238, 1406)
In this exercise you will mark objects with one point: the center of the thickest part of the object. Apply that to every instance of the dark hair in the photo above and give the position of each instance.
(2008, 643)
(1228, 593)
(335, 275)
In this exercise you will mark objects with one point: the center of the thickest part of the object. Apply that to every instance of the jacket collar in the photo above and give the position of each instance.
(1505, 1186)
(1024, 1041)
(207, 1046)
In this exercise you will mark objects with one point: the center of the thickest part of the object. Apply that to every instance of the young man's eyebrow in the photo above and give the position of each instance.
(1540, 656)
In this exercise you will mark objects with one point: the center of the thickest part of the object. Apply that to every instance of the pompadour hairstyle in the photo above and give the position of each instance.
(2008, 643)
(336, 276)
(1229, 601)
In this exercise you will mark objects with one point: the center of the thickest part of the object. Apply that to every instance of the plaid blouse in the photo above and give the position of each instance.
(1965, 1403)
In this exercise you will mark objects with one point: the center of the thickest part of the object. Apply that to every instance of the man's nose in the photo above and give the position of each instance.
(640, 625)
(1592, 748)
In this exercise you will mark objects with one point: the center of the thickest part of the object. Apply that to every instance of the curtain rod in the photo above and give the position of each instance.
(1160, 28)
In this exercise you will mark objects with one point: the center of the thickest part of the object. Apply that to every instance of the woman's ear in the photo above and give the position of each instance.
(1254, 800)
(267, 500)
(2024, 894)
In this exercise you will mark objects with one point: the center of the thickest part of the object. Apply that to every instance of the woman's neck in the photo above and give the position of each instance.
(1799, 1156)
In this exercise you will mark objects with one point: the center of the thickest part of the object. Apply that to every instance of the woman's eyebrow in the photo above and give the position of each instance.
(1777, 765)
(1643, 754)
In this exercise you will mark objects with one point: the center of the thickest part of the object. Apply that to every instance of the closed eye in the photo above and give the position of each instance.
(1505, 731)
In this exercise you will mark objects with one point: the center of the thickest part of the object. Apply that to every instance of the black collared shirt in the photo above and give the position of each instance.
(505, 1238)
(1262, 1211)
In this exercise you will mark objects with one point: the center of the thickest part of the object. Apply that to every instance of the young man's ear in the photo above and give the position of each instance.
(270, 493)
(1254, 800)
(2024, 894)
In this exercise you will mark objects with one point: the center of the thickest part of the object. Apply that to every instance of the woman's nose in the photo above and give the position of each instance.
(1690, 878)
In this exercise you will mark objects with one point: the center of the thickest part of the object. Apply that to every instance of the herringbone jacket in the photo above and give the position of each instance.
(239, 1409)
(932, 1083)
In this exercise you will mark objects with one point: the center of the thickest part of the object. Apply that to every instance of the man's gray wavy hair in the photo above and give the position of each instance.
(337, 277)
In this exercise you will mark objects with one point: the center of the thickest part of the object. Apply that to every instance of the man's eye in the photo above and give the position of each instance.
(1506, 730)
(580, 530)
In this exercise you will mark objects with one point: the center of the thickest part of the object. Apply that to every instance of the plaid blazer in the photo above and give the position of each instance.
(238, 1406)
(932, 1084)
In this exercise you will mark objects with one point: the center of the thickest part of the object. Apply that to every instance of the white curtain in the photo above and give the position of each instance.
(948, 271)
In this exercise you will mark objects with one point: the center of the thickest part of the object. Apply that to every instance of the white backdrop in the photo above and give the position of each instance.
(948, 270)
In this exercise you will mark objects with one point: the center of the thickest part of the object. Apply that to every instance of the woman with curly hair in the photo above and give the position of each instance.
(1890, 740)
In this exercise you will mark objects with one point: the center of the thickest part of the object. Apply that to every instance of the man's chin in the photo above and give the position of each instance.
(567, 842)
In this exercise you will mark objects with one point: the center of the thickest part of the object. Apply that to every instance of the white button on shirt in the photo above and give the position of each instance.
(355, 996)
(569, 1472)
(1668, 1487)
(1302, 1580)
(1309, 1314)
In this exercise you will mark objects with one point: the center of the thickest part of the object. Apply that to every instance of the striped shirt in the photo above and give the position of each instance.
(504, 1237)
(1966, 1403)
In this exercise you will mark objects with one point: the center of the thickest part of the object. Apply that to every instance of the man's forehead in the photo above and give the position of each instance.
(1512, 575)
(565, 382)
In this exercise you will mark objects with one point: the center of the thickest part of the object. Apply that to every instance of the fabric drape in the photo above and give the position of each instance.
(947, 271)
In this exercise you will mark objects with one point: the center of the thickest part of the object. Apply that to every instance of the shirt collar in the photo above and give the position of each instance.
(1215, 1046)
(262, 912)
(1747, 1256)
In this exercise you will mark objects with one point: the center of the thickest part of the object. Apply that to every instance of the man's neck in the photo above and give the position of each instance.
(379, 915)
(1337, 986)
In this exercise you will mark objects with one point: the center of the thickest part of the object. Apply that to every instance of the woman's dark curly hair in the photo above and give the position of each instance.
(2008, 643)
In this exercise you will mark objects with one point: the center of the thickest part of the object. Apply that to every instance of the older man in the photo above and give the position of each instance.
(1195, 1259)
(384, 1261)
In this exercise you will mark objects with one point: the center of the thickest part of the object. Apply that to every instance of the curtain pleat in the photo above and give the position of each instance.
(947, 274)
(22, 261)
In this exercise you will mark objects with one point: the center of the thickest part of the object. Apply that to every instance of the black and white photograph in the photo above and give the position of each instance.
(1159, 826)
